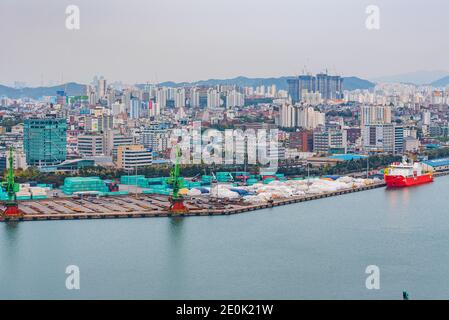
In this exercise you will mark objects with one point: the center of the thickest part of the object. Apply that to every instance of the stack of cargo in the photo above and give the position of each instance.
(150, 182)
(241, 175)
(38, 192)
(157, 190)
(269, 180)
(191, 184)
(24, 192)
(280, 177)
(251, 181)
(28, 191)
(130, 180)
(112, 185)
(142, 182)
(206, 179)
(3, 194)
(44, 185)
(114, 193)
(77, 184)
(224, 176)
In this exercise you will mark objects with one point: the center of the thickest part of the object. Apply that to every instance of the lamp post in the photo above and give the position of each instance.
(367, 165)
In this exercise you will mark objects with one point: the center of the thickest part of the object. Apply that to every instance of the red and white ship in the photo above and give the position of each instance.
(405, 175)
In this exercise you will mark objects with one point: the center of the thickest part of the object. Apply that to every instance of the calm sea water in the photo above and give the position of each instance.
(318, 249)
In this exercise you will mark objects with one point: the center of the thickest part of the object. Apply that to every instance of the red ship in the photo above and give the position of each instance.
(405, 175)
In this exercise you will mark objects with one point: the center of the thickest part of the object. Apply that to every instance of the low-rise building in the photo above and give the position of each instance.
(411, 144)
(133, 156)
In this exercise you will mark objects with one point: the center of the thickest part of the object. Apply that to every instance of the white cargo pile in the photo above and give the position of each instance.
(27, 191)
(223, 191)
(281, 190)
(261, 193)
(194, 192)
(38, 191)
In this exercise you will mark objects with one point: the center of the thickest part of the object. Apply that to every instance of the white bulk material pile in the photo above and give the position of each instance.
(223, 191)
(289, 188)
(38, 191)
(27, 191)
(194, 192)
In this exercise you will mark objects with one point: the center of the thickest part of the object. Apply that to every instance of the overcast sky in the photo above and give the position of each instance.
(185, 40)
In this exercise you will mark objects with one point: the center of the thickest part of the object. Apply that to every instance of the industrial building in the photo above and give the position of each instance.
(90, 145)
(133, 156)
(436, 165)
(45, 141)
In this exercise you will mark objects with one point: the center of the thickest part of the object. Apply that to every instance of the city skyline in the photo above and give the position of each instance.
(157, 41)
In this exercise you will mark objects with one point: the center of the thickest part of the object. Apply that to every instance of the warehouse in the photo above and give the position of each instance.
(436, 165)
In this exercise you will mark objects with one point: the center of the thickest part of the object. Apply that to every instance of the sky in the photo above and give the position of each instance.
(136, 41)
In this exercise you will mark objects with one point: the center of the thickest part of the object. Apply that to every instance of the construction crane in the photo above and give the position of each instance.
(12, 207)
(176, 200)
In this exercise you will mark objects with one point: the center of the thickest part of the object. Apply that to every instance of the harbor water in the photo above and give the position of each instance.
(314, 250)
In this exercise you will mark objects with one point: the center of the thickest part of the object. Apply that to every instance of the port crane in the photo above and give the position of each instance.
(176, 200)
(12, 207)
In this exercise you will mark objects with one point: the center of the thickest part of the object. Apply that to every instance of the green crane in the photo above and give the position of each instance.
(175, 180)
(12, 208)
(177, 201)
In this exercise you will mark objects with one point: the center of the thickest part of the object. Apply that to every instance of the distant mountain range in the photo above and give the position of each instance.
(75, 89)
(441, 82)
(71, 88)
(417, 78)
(349, 83)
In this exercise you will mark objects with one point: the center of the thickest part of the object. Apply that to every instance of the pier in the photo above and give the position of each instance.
(150, 206)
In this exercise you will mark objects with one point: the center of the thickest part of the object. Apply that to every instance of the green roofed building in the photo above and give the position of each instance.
(45, 141)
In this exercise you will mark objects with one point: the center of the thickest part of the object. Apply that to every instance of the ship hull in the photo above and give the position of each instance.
(401, 181)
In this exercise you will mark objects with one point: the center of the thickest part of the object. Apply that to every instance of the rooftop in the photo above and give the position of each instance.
(437, 162)
(348, 157)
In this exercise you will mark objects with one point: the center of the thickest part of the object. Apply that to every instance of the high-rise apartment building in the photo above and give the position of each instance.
(102, 86)
(235, 99)
(399, 139)
(154, 109)
(330, 87)
(155, 137)
(194, 98)
(426, 117)
(161, 97)
(300, 116)
(309, 118)
(287, 116)
(180, 98)
(293, 89)
(370, 114)
(135, 109)
(213, 99)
